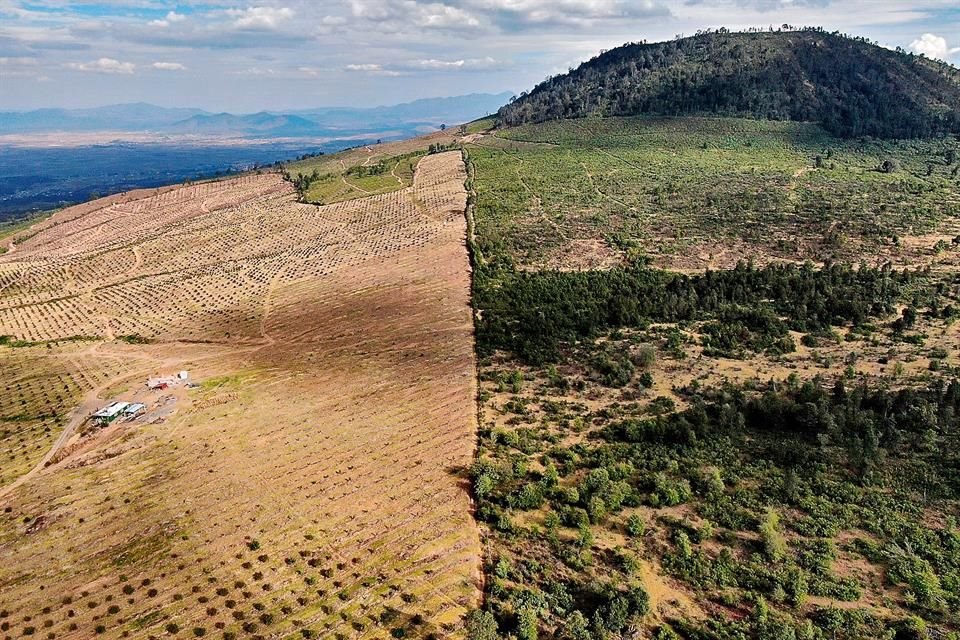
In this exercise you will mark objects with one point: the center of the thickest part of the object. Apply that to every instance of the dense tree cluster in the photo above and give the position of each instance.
(532, 314)
(301, 182)
(853, 87)
(367, 170)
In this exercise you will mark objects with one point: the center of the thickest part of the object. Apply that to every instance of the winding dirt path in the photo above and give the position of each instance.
(602, 194)
(393, 172)
(90, 403)
(538, 203)
(343, 178)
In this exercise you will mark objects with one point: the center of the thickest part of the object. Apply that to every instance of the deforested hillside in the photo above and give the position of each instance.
(850, 86)
(300, 480)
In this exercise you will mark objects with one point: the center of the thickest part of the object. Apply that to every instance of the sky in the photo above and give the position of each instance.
(242, 56)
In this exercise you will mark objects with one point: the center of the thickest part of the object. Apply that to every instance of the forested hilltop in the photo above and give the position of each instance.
(849, 85)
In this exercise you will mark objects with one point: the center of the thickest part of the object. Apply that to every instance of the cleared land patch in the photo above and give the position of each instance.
(313, 486)
(698, 193)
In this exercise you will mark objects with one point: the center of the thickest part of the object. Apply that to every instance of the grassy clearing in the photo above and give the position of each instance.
(229, 382)
(384, 176)
(364, 170)
(482, 125)
(696, 193)
(14, 229)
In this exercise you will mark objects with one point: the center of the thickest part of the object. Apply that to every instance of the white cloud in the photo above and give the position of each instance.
(19, 62)
(169, 66)
(330, 24)
(568, 11)
(933, 46)
(469, 63)
(441, 16)
(364, 67)
(260, 17)
(171, 18)
(395, 15)
(441, 64)
(373, 69)
(507, 16)
(256, 72)
(421, 66)
(103, 65)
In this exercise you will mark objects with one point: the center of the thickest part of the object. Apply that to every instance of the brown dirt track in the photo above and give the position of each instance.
(315, 481)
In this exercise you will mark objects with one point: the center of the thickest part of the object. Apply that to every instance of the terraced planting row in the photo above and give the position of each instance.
(38, 392)
(312, 485)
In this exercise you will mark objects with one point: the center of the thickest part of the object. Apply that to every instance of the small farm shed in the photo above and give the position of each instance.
(110, 413)
(134, 410)
(164, 382)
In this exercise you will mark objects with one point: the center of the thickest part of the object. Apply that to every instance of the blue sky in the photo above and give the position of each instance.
(284, 54)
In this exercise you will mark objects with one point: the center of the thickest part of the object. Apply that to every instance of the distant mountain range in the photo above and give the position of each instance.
(407, 118)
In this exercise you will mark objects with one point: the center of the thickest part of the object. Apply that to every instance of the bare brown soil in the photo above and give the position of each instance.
(314, 480)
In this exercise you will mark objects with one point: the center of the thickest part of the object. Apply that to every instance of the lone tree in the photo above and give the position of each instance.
(889, 166)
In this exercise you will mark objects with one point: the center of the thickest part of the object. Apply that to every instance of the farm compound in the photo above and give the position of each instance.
(110, 413)
(114, 410)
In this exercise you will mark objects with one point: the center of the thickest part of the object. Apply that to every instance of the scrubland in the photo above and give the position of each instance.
(718, 366)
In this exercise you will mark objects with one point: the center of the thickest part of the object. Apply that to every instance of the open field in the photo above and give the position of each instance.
(364, 171)
(702, 193)
(311, 485)
(368, 179)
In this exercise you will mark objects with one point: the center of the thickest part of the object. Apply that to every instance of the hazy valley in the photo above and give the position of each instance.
(55, 157)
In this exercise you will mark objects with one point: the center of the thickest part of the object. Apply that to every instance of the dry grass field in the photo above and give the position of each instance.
(311, 483)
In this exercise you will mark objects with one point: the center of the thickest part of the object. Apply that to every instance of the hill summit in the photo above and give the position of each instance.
(849, 85)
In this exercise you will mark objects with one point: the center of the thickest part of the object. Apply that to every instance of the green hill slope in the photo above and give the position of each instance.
(852, 87)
